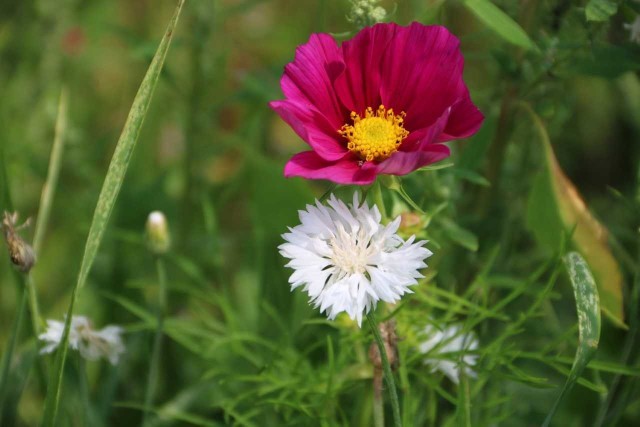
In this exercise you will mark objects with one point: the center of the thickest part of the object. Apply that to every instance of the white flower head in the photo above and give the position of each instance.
(634, 30)
(91, 343)
(347, 260)
(441, 342)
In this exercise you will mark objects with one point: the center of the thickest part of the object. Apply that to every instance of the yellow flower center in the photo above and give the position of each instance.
(375, 136)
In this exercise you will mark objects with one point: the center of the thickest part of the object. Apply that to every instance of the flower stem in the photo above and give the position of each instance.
(378, 401)
(33, 305)
(8, 353)
(152, 381)
(55, 162)
(388, 375)
(379, 200)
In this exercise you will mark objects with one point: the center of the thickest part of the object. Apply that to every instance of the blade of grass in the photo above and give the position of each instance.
(106, 201)
(55, 161)
(588, 308)
(8, 353)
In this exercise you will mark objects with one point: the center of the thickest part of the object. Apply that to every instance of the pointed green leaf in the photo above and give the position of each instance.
(106, 201)
(501, 23)
(461, 236)
(588, 310)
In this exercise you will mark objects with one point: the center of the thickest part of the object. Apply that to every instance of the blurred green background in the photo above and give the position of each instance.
(210, 156)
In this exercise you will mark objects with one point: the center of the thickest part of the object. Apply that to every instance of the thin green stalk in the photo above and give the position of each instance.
(8, 353)
(33, 304)
(152, 380)
(378, 200)
(50, 185)
(388, 375)
(378, 401)
(46, 201)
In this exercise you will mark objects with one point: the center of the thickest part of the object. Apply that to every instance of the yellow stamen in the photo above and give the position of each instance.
(376, 136)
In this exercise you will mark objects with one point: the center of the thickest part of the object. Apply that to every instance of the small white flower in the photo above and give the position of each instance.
(347, 260)
(451, 339)
(92, 344)
(634, 30)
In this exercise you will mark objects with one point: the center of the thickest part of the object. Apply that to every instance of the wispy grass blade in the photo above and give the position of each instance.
(106, 201)
(588, 308)
(7, 355)
(55, 161)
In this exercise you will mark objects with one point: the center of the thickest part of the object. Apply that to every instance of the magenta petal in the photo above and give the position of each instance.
(422, 73)
(359, 86)
(423, 151)
(402, 163)
(419, 140)
(309, 165)
(465, 120)
(312, 127)
(309, 78)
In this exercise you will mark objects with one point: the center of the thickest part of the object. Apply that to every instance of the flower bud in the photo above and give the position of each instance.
(411, 223)
(391, 182)
(158, 238)
(366, 12)
(21, 253)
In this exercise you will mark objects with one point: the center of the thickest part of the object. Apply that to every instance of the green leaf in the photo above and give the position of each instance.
(501, 23)
(555, 209)
(600, 10)
(471, 176)
(607, 60)
(588, 309)
(461, 236)
(106, 201)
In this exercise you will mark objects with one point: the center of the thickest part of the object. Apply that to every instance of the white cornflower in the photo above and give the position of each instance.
(92, 344)
(347, 260)
(451, 339)
(634, 30)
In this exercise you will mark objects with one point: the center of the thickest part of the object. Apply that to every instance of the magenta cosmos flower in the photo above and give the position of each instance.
(381, 103)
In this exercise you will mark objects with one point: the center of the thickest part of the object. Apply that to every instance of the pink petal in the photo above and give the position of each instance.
(309, 78)
(309, 165)
(402, 163)
(420, 139)
(359, 86)
(312, 127)
(422, 73)
(422, 152)
(464, 121)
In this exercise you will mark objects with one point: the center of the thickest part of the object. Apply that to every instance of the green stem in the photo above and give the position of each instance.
(152, 381)
(378, 401)
(33, 305)
(378, 200)
(55, 161)
(8, 353)
(388, 375)
(46, 201)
